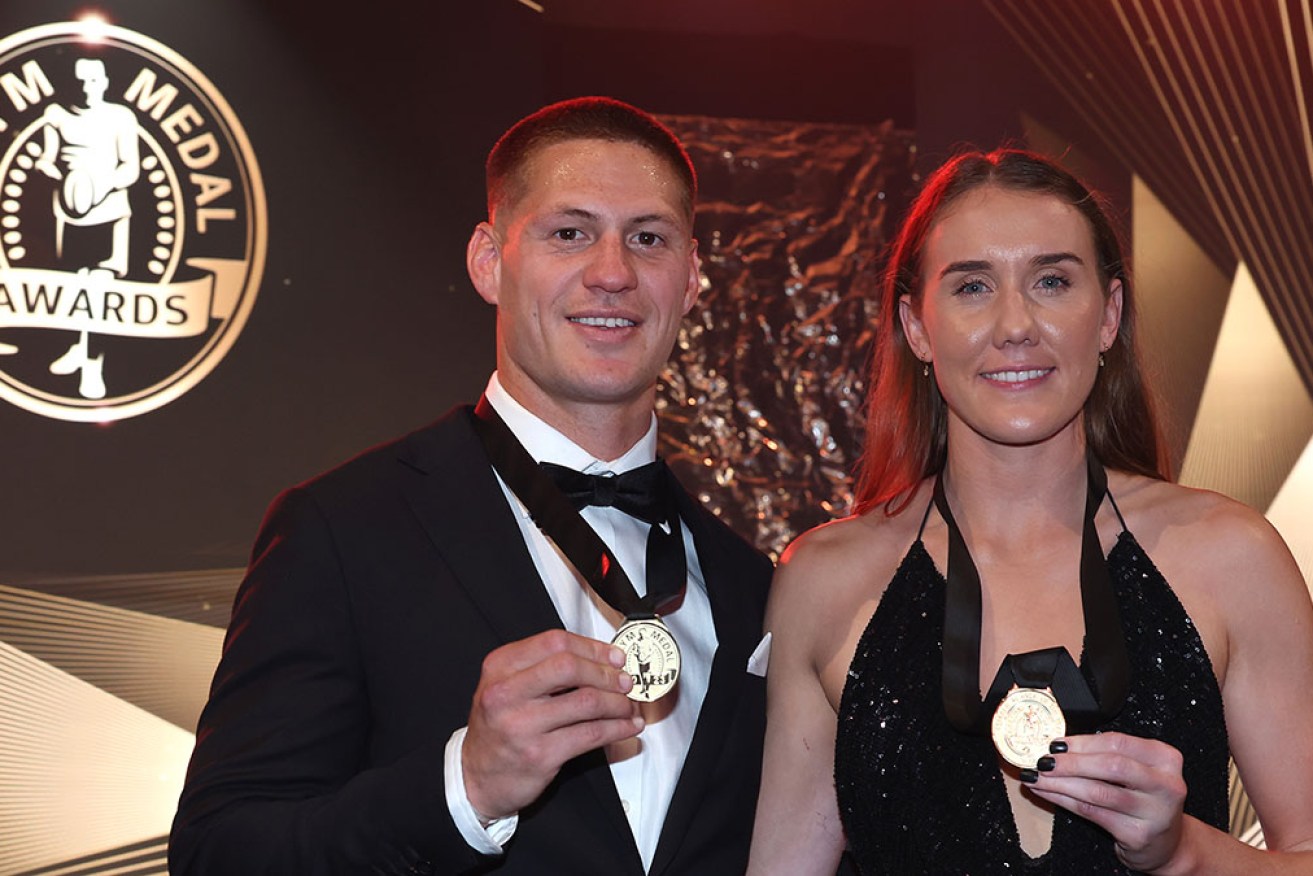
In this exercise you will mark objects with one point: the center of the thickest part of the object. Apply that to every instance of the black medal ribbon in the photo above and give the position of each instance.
(1053, 668)
(644, 493)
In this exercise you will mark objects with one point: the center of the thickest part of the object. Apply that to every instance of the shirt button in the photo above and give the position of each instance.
(625, 804)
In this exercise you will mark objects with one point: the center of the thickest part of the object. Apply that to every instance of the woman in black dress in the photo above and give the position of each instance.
(1029, 652)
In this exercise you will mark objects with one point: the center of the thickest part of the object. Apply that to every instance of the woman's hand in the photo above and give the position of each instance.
(1130, 786)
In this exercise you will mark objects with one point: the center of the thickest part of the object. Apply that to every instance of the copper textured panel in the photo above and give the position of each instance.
(761, 407)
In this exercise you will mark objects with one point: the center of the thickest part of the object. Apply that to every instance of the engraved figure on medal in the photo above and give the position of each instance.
(1024, 724)
(651, 658)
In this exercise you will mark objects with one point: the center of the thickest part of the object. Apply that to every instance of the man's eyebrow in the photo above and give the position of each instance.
(574, 213)
(586, 214)
(653, 217)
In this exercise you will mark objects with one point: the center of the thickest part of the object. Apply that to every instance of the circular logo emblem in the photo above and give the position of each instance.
(1025, 723)
(651, 658)
(132, 223)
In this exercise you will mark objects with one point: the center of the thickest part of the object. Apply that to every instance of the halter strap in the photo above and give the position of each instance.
(1105, 642)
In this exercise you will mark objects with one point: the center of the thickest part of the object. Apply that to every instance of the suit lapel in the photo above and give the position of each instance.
(458, 501)
(731, 607)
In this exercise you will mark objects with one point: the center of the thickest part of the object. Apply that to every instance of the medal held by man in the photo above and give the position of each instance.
(651, 652)
(554, 495)
(651, 657)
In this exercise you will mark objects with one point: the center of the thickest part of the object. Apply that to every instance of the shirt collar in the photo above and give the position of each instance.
(546, 444)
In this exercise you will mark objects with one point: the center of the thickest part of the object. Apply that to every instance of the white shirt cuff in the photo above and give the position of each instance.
(488, 840)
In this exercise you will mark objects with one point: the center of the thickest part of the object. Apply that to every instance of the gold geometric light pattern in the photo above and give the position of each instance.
(101, 682)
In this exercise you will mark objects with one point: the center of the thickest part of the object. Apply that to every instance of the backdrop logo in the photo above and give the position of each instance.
(132, 223)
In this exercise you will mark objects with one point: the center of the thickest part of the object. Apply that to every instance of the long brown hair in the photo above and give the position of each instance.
(907, 420)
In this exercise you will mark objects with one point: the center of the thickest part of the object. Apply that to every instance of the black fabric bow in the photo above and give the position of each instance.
(648, 490)
(640, 492)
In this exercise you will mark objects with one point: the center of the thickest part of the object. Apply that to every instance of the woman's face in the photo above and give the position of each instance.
(1013, 314)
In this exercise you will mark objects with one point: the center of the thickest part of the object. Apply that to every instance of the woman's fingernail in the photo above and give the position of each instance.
(1045, 764)
(1057, 746)
(1030, 777)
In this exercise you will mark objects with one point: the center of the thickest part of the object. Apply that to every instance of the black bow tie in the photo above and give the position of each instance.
(640, 492)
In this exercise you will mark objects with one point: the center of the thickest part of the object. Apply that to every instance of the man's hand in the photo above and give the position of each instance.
(540, 702)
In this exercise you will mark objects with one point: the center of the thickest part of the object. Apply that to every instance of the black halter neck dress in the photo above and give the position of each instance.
(918, 797)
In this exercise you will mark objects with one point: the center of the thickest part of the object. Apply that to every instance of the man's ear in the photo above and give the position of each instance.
(483, 262)
(694, 286)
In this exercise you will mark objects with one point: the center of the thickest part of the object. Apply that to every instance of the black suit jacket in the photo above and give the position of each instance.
(356, 641)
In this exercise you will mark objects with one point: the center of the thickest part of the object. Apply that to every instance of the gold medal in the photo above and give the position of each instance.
(651, 658)
(1025, 722)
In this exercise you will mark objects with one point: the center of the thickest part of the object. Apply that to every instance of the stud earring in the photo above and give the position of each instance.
(925, 369)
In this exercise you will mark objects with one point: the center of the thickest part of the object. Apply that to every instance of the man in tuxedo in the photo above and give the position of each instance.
(417, 678)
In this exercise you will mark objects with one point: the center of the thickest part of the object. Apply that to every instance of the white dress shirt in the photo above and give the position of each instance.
(645, 769)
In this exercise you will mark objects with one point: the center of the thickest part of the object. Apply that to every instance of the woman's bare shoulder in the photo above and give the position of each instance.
(1214, 537)
(859, 538)
(836, 558)
(1162, 509)
(828, 584)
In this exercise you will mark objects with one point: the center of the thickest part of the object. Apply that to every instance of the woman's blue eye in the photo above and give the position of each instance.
(972, 287)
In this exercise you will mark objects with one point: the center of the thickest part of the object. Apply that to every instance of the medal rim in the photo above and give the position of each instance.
(661, 629)
(998, 730)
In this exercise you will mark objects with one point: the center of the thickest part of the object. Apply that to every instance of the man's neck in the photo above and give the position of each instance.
(605, 430)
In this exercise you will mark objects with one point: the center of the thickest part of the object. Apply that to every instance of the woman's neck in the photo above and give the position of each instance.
(1009, 492)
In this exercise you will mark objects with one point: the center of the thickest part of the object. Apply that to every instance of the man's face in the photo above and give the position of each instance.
(592, 270)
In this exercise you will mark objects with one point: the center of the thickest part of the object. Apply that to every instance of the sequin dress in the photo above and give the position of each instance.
(916, 796)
